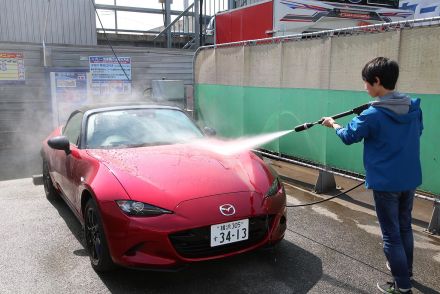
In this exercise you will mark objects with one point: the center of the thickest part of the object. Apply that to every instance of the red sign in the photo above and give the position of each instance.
(247, 23)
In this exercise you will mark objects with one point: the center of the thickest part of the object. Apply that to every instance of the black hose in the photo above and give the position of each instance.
(327, 199)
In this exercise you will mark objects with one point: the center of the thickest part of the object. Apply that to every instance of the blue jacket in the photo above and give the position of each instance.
(391, 145)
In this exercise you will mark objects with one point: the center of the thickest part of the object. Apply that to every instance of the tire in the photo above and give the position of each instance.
(96, 241)
(49, 188)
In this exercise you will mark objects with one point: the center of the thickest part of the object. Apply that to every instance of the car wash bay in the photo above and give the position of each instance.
(333, 248)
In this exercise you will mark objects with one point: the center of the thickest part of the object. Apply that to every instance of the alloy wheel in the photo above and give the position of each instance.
(93, 235)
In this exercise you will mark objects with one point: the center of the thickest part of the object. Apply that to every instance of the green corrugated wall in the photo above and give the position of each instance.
(236, 111)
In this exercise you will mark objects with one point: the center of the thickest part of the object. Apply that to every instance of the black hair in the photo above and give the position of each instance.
(385, 69)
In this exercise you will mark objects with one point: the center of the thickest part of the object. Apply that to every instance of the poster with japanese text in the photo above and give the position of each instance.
(110, 76)
(69, 92)
(11, 68)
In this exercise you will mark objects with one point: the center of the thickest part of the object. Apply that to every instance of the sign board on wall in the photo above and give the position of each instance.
(110, 77)
(69, 91)
(298, 16)
(422, 8)
(11, 68)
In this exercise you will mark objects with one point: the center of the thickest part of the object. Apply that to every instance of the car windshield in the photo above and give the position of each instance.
(139, 127)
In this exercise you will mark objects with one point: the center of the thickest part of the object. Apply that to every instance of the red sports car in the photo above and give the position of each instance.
(149, 197)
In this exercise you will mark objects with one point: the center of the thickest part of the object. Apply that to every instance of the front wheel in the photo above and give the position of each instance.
(95, 239)
(49, 188)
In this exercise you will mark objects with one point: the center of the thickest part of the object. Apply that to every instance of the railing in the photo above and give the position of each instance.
(374, 28)
(180, 30)
(187, 30)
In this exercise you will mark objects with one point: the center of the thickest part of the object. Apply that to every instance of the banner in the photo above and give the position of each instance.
(69, 92)
(11, 68)
(110, 76)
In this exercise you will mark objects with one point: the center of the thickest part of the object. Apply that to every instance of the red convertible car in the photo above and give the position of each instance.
(148, 197)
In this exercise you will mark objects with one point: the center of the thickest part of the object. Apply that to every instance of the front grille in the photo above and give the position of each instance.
(195, 243)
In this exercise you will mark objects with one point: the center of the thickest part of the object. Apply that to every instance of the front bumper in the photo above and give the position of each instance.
(172, 240)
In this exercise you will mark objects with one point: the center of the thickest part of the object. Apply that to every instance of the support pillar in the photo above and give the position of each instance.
(197, 23)
(168, 21)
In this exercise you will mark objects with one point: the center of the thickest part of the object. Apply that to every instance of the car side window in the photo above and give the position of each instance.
(72, 129)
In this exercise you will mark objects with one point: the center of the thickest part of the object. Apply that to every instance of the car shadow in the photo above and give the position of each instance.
(285, 268)
(71, 221)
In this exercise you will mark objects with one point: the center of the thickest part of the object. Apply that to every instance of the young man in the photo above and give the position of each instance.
(391, 128)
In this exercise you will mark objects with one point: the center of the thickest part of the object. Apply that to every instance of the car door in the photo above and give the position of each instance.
(70, 178)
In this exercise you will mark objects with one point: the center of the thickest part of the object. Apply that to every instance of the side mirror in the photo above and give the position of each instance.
(210, 132)
(59, 143)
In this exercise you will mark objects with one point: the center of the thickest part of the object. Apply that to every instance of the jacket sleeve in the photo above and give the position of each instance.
(355, 131)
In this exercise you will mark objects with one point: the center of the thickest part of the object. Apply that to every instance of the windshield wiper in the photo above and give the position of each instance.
(158, 143)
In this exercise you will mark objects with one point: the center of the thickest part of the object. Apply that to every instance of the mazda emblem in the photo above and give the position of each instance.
(227, 209)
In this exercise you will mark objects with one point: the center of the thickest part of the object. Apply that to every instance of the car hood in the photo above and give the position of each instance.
(167, 175)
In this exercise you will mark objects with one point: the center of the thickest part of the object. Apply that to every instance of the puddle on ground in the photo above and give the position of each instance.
(306, 197)
(293, 201)
(326, 212)
(420, 241)
(374, 230)
(424, 242)
(301, 196)
(363, 221)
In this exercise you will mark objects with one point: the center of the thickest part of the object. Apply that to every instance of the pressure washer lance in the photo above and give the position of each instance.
(356, 110)
(306, 126)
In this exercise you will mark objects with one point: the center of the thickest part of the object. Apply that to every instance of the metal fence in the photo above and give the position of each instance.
(342, 32)
(184, 27)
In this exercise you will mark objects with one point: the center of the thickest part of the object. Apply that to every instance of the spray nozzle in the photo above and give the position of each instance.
(304, 127)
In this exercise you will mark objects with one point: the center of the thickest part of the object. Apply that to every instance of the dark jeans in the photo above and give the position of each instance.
(394, 213)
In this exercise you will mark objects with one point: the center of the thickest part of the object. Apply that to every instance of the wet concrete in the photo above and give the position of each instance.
(328, 248)
(305, 178)
(354, 235)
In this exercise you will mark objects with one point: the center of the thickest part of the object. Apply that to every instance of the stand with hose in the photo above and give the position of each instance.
(434, 224)
(325, 182)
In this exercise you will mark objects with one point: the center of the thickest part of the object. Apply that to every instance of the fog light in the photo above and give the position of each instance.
(283, 220)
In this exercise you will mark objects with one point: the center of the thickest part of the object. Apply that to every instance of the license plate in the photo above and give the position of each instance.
(231, 232)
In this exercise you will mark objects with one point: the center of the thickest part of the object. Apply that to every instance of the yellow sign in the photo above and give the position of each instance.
(11, 67)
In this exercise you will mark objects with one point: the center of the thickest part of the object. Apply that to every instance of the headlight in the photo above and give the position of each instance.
(136, 208)
(274, 188)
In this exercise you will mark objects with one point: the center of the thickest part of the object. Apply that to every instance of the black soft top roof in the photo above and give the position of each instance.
(122, 105)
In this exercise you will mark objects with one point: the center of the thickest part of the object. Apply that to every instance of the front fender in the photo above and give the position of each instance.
(102, 185)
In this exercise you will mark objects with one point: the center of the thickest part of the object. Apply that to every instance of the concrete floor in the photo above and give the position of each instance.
(334, 247)
(305, 178)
